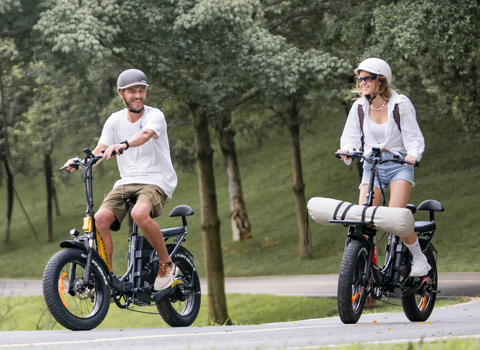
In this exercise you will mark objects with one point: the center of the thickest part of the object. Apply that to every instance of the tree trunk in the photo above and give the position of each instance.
(47, 166)
(305, 245)
(55, 198)
(10, 200)
(241, 227)
(217, 302)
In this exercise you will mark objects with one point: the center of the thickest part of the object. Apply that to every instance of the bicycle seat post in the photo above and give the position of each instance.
(131, 203)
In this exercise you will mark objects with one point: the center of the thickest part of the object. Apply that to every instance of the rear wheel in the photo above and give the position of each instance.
(352, 286)
(181, 308)
(76, 305)
(419, 306)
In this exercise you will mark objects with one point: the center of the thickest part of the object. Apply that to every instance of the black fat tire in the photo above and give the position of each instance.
(181, 309)
(351, 281)
(419, 307)
(81, 310)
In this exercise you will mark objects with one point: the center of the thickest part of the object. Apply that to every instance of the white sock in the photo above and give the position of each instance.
(415, 249)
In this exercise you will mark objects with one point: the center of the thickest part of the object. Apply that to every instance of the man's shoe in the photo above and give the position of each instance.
(165, 276)
(420, 266)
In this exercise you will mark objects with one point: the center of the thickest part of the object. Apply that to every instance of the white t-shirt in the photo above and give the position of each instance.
(149, 163)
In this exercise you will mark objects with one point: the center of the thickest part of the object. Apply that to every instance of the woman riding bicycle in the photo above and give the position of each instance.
(384, 119)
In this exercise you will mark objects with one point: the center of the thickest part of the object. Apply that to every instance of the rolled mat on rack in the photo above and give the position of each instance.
(399, 221)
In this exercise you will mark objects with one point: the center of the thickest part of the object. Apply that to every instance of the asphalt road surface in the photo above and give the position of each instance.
(456, 321)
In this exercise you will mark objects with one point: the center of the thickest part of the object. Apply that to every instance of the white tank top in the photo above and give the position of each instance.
(378, 130)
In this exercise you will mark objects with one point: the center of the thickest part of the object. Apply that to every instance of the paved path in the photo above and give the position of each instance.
(451, 284)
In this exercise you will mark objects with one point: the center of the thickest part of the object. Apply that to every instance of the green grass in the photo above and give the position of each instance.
(448, 173)
(30, 313)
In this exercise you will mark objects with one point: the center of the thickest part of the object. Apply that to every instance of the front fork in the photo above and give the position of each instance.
(358, 233)
(89, 243)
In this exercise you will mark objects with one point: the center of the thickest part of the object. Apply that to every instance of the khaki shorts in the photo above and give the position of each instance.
(151, 195)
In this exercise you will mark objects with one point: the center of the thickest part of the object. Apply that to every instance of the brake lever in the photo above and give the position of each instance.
(75, 165)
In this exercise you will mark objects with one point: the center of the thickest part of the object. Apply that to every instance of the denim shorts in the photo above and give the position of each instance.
(388, 172)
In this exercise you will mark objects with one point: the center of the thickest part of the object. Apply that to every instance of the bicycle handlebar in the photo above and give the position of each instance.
(89, 160)
(373, 158)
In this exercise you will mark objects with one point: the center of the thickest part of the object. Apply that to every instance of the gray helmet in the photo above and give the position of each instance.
(131, 77)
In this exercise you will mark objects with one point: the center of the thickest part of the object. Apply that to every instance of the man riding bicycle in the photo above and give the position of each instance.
(140, 133)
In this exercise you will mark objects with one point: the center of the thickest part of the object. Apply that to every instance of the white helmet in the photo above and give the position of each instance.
(375, 66)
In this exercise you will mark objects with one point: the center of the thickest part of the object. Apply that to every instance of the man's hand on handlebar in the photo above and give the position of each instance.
(114, 150)
(71, 165)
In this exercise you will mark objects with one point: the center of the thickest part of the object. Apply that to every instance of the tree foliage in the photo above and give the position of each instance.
(438, 44)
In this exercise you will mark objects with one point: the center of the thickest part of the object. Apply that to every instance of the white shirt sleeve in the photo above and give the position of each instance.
(108, 133)
(155, 120)
(412, 136)
(352, 134)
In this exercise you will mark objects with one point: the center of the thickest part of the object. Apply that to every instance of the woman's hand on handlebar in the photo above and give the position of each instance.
(411, 160)
(342, 154)
(343, 157)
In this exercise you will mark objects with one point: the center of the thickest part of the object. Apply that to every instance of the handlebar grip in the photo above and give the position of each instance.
(120, 151)
(73, 165)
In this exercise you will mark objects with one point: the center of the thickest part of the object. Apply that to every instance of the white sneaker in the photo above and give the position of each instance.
(165, 276)
(420, 266)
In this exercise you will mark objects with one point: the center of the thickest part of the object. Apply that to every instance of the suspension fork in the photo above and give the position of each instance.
(369, 265)
(357, 233)
(88, 265)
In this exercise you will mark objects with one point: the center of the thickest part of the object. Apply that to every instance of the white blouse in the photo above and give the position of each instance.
(408, 141)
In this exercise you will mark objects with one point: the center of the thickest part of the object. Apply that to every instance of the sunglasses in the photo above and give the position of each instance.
(366, 79)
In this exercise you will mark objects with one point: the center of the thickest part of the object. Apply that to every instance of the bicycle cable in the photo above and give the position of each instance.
(142, 312)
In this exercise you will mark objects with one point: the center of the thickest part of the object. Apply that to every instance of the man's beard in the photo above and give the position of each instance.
(131, 109)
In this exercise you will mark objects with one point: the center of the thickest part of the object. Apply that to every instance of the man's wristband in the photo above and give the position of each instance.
(126, 142)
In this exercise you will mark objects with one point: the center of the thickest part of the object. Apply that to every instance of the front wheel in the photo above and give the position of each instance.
(75, 303)
(181, 308)
(419, 306)
(352, 285)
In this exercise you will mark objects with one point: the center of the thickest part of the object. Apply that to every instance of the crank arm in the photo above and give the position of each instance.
(163, 293)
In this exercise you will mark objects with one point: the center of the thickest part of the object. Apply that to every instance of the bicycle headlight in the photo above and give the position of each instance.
(74, 232)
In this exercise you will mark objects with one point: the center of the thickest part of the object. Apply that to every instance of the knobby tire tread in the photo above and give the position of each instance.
(354, 251)
(52, 296)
